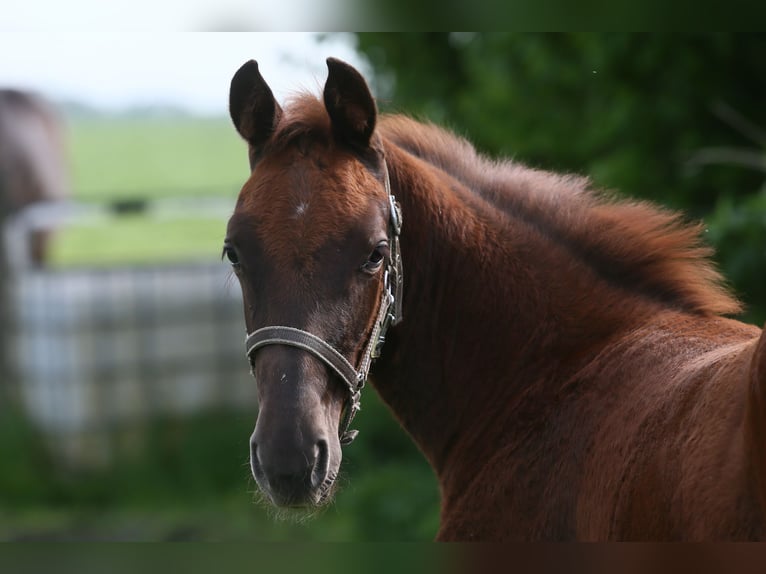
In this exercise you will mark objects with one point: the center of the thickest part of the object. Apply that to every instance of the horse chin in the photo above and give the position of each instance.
(299, 511)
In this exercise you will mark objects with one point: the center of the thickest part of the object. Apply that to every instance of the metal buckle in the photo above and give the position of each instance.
(385, 317)
(396, 215)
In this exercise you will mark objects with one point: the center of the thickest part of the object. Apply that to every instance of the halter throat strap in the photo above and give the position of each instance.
(389, 313)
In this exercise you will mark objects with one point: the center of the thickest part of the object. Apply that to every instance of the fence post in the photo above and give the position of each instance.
(6, 323)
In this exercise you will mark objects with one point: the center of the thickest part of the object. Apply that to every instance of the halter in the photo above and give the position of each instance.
(389, 313)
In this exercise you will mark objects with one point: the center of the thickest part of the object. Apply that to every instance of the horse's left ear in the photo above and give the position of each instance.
(349, 103)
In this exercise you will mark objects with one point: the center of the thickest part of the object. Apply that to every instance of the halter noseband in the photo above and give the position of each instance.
(389, 313)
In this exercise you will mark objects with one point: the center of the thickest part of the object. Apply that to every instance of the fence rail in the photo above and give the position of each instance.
(101, 349)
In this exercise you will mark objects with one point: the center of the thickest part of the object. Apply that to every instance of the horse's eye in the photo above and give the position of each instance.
(231, 255)
(375, 260)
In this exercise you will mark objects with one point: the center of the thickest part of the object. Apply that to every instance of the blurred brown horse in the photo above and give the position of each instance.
(32, 162)
(562, 360)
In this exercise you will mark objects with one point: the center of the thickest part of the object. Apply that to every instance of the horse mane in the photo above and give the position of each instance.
(634, 244)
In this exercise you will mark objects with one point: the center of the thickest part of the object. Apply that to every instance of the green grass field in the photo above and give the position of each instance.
(113, 158)
(137, 240)
(119, 159)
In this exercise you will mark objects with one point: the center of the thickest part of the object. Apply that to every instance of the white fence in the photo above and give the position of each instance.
(99, 350)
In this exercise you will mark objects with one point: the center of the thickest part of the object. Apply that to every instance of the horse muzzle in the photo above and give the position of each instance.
(293, 475)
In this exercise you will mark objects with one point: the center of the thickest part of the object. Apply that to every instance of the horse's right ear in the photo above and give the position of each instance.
(252, 106)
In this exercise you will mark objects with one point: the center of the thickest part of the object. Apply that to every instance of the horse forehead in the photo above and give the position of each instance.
(301, 203)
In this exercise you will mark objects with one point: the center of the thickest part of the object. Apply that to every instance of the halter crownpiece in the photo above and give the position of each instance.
(389, 313)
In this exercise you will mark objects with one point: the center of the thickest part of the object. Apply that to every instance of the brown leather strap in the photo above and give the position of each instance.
(279, 335)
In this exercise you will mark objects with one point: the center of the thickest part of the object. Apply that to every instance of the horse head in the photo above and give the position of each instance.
(312, 240)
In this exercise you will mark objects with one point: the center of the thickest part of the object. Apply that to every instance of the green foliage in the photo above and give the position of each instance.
(738, 230)
(632, 111)
(24, 455)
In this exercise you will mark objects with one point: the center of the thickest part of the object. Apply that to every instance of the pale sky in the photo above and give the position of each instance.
(192, 70)
(181, 15)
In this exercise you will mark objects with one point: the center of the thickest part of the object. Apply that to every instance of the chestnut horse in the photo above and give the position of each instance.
(559, 356)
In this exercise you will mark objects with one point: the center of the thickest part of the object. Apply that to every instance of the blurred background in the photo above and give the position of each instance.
(125, 401)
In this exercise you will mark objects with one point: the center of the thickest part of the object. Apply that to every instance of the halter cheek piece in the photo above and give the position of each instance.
(389, 313)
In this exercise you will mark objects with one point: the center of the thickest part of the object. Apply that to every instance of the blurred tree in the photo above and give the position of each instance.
(633, 111)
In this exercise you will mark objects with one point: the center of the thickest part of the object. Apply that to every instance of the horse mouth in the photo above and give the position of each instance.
(308, 499)
(301, 508)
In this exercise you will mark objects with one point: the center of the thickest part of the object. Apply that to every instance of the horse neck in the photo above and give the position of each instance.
(488, 319)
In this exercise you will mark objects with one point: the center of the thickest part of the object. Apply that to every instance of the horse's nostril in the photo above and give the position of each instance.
(321, 463)
(290, 476)
(255, 463)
